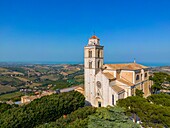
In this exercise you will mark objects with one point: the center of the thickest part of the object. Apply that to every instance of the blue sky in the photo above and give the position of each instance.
(57, 30)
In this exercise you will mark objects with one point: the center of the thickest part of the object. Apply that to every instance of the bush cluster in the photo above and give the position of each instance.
(43, 110)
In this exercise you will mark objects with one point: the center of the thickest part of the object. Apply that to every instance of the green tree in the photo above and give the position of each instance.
(77, 119)
(4, 107)
(110, 117)
(139, 93)
(159, 79)
(151, 115)
(43, 110)
(160, 99)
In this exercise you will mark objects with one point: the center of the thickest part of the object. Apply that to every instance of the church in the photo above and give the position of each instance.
(107, 83)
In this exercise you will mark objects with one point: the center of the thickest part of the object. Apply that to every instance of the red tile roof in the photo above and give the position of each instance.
(94, 37)
(126, 66)
(117, 88)
(125, 82)
(109, 75)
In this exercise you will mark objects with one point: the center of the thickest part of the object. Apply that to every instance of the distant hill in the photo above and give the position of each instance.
(165, 69)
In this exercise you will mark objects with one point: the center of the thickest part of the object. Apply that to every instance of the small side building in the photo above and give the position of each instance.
(28, 99)
(80, 89)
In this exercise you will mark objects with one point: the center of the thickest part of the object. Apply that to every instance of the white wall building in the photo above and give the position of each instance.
(106, 83)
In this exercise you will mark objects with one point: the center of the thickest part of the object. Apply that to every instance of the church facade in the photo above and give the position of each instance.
(107, 83)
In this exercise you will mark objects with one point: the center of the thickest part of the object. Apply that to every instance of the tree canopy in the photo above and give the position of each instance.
(91, 117)
(150, 113)
(110, 117)
(139, 93)
(43, 110)
(4, 107)
(160, 99)
(77, 119)
(159, 79)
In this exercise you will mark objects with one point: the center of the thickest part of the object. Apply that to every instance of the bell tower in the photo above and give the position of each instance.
(93, 61)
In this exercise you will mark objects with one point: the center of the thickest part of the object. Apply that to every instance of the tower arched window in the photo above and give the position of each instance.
(98, 53)
(90, 53)
(90, 64)
(98, 65)
(137, 77)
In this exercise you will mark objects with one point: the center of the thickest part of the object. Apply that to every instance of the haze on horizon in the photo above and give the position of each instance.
(55, 30)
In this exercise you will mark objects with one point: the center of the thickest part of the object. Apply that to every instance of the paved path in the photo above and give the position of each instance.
(68, 89)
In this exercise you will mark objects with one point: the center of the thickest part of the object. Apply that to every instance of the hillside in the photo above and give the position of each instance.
(33, 78)
(165, 69)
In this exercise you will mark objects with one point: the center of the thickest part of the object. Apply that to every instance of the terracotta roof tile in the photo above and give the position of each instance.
(126, 66)
(117, 88)
(125, 82)
(109, 75)
(94, 37)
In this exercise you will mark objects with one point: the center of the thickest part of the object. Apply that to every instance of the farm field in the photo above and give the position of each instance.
(15, 96)
(4, 89)
(31, 78)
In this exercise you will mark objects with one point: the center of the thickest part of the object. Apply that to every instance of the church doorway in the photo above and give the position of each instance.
(99, 104)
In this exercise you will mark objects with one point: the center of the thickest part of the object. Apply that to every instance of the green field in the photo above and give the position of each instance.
(15, 96)
(7, 80)
(4, 89)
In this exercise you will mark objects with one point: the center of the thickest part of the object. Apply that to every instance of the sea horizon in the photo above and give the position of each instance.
(150, 64)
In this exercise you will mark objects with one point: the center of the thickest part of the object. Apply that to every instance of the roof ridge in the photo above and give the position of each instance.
(126, 66)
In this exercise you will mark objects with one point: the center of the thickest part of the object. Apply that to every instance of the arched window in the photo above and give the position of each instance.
(98, 64)
(101, 53)
(90, 53)
(137, 77)
(98, 53)
(90, 64)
